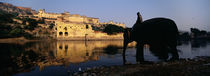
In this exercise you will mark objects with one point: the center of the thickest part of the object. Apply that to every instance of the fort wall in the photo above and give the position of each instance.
(74, 26)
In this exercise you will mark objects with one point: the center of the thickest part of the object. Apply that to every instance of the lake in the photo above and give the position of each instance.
(62, 58)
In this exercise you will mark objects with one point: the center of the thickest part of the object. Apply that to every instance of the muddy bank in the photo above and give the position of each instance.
(199, 66)
(22, 40)
(14, 40)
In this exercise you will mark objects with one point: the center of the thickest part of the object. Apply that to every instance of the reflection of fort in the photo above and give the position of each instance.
(81, 51)
(66, 52)
(44, 54)
(75, 52)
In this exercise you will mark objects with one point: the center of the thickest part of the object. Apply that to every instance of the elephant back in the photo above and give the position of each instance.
(155, 29)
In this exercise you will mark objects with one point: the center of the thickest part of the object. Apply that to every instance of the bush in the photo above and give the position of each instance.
(17, 32)
(4, 18)
(28, 36)
(32, 23)
(51, 26)
(113, 29)
(4, 31)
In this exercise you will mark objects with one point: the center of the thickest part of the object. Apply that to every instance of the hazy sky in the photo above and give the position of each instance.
(186, 13)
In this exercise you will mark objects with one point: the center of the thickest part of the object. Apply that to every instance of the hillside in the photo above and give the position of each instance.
(9, 8)
(14, 22)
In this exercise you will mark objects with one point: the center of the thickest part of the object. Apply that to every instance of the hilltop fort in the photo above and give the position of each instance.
(75, 26)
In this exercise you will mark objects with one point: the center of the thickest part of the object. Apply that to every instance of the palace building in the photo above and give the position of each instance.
(72, 30)
(75, 26)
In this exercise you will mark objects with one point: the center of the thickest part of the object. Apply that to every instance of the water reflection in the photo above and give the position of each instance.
(77, 51)
(15, 59)
(198, 43)
(26, 57)
(112, 50)
(39, 58)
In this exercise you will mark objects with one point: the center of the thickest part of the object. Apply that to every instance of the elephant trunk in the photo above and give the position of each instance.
(126, 36)
(125, 44)
(126, 41)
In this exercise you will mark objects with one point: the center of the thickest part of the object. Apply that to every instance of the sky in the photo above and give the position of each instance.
(186, 13)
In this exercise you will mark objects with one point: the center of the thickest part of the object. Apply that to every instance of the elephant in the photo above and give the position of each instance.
(158, 33)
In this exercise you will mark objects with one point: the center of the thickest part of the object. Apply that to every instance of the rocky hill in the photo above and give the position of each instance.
(9, 8)
(13, 25)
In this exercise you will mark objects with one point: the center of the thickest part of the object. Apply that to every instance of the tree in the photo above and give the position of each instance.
(95, 28)
(5, 17)
(4, 30)
(195, 32)
(51, 25)
(32, 23)
(16, 32)
(113, 29)
(203, 32)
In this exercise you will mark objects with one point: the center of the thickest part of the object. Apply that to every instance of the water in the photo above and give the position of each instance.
(62, 58)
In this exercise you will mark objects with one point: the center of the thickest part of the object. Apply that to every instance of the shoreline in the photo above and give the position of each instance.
(15, 40)
(183, 67)
(24, 40)
(89, 39)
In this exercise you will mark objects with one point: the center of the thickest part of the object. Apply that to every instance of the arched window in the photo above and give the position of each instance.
(66, 47)
(65, 28)
(87, 27)
(60, 47)
(66, 33)
(60, 33)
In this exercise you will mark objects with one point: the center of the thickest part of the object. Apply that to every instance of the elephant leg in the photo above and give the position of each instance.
(164, 50)
(124, 51)
(139, 52)
(124, 58)
(175, 55)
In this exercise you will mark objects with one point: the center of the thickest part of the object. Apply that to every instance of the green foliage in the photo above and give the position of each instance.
(4, 17)
(41, 21)
(7, 32)
(17, 32)
(196, 32)
(203, 32)
(32, 23)
(113, 29)
(51, 26)
(97, 28)
(46, 32)
(184, 36)
(4, 31)
(27, 36)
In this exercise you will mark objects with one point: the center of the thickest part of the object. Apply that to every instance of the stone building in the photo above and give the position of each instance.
(81, 19)
(67, 16)
(44, 14)
(114, 23)
(75, 26)
(72, 29)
